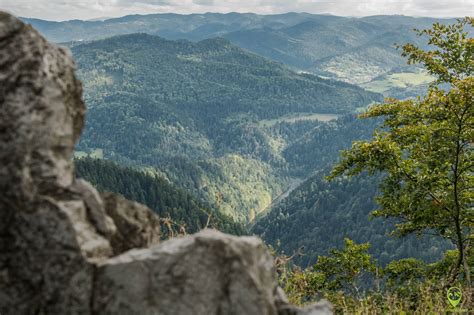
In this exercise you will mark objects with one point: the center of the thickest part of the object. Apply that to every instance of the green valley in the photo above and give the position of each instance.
(400, 84)
(198, 112)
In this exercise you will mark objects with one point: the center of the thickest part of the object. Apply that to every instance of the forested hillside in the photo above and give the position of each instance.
(198, 112)
(212, 78)
(169, 202)
(317, 148)
(234, 129)
(357, 50)
(318, 215)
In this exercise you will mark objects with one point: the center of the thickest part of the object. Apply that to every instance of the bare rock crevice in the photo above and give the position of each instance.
(67, 249)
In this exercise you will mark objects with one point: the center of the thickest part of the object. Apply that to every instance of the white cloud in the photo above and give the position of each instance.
(88, 9)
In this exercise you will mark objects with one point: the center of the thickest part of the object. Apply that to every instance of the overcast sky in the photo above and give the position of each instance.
(90, 9)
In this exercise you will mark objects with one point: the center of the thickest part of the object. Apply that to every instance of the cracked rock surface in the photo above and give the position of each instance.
(67, 249)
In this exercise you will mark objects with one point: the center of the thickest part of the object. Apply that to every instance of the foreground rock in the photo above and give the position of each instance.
(137, 226)
(66, 249)
(208, 273)
(46, 236)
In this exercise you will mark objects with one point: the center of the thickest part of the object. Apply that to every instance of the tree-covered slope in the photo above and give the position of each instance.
(193, 111)
(356, 50)
(318, 215)
(320, 146)
(160, 195)
(212, 77)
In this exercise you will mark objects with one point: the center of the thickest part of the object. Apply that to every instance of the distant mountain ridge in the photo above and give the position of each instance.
(169, 25)
(188, 73)
(201, 26)
(355, 50)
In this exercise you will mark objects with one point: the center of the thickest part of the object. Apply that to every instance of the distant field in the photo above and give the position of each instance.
(298, 117)
(96, 154)
(397, 80)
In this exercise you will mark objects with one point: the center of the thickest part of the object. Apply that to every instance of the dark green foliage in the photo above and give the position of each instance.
(320, 146)
(344, 269)
(212, 78)
(425, 146)
(164, 198)
(319, 214)
(192, 110)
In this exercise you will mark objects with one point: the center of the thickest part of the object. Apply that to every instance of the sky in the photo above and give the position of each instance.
(59, 10)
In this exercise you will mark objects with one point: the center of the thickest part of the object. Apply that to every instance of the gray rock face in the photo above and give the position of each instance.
(137, 226)
(46, 237)
(208, 273)
(66, 249)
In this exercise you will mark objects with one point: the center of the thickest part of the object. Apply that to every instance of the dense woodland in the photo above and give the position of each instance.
(169, 202)
(355, 50)
(139, 90)
(211, 77)
(192, 110)
(319, 214)
(319, 147)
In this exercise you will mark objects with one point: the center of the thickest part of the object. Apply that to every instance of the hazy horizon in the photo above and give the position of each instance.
(61, 10)
(103, 18)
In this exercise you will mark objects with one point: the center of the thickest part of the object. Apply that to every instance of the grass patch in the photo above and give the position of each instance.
(292, 118)
(95, 154)
(397, 80)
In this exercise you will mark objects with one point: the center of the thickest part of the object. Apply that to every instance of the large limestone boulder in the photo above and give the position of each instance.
(66, 249)
(207, 273)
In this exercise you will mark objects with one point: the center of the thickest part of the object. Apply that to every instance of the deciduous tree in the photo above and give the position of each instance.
(425, 146)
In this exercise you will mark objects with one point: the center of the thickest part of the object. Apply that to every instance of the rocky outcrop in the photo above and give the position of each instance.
(65, 248)
(208, 273)
(46, 235)
(137, 226)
